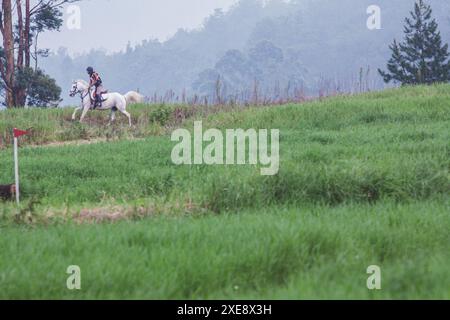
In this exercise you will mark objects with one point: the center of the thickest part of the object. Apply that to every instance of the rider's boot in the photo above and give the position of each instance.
(98, 101)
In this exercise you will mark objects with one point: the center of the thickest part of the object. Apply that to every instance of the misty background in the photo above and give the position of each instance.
(174, 49)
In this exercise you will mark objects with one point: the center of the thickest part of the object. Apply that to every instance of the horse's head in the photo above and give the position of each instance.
(74, 90)
(77, 87)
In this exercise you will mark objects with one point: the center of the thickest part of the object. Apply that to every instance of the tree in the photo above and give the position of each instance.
(20, 45)
(421, 58)
(266, 55)
(43, 92)
(7, 52)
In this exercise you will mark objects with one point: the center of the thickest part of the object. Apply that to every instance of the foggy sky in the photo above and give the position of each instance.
(111, 24)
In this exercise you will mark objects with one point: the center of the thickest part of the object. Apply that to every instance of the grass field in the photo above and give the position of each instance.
(363, 181)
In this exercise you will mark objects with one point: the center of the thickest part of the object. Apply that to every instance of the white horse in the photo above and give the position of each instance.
(112, 101)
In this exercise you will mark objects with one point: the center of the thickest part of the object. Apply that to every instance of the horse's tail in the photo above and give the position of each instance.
(134, 97)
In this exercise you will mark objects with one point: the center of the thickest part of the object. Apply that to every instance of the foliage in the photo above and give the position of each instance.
(42, 90)
(48, 18)
(421, 58)
(20, 27)
(265, 65)
(161, 114)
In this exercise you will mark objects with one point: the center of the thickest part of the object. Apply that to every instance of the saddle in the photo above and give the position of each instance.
(101, 94)
(103, 99)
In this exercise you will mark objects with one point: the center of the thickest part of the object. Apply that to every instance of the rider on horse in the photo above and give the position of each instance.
(96, 81)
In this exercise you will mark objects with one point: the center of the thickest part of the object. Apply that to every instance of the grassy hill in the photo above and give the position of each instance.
(363, 180)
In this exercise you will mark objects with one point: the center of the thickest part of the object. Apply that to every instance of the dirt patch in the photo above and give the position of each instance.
(113, 214)
(81, 142)
(118, 213)
(72, 143)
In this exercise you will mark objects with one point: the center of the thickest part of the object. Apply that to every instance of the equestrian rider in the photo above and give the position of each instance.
(96, 81)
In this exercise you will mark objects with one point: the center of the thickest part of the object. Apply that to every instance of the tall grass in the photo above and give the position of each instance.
(56, 125)
(363, 181)
(360, 149)
(312, 252)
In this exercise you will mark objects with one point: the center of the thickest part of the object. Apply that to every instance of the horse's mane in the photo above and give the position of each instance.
(83, 82)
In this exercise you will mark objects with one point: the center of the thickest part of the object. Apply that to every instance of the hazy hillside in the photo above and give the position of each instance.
(174, 64)
(300, 43)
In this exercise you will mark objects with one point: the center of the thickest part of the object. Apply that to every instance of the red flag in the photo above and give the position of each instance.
(18, 133)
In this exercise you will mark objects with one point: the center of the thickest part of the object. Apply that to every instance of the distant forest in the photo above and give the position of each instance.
(272, 50)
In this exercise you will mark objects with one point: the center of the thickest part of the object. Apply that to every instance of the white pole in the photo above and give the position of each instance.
(16, 170)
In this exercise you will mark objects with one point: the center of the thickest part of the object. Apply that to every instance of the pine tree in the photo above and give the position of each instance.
(421, 58)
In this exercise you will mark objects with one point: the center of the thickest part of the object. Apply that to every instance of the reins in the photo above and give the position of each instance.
(88, 91)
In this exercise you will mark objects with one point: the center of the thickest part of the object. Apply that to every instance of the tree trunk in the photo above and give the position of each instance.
(21, 34)
(8, 45)
(20, 94)
(27, 34)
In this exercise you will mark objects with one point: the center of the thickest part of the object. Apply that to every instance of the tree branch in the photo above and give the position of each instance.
(50, 4)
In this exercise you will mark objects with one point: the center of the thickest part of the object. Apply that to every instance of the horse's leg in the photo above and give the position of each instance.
(127, 115)
(112, 117)
(83, 115)
(123, 110)
(75, 112)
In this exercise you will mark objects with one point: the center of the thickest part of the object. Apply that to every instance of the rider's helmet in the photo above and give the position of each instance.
(90, 70)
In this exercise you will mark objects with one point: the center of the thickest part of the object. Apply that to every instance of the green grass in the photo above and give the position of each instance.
(312, 252)
(359, 149)
(56, 125)
(363, 180)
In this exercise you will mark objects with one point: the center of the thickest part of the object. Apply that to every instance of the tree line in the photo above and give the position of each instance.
(283, 51)
(21, 23)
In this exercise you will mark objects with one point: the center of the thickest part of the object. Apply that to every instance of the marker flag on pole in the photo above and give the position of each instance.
(19, 133)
